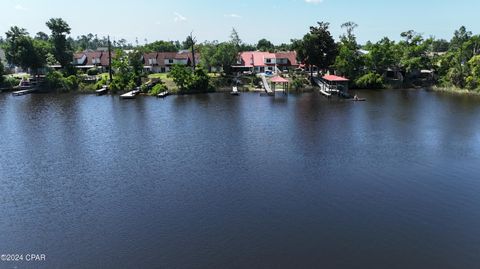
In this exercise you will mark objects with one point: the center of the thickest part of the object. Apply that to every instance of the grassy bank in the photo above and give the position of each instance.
(454, 90)
(172, 87)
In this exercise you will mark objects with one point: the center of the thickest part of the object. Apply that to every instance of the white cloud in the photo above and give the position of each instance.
(313, 1)
(19, 7)
(233, 15)
(179, 17)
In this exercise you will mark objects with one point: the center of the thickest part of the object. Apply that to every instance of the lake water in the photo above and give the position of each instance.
(217, 181)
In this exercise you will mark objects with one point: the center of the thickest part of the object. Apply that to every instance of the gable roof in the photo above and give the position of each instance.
(257, 58)
(162, 56)
(335, 78)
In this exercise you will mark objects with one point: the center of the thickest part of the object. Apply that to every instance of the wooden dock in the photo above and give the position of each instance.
(130, 94)
(266, 86)
(102, 91)
(327, 94)
(23, 92)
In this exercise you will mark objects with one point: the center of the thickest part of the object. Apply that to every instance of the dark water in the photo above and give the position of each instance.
(215, 181)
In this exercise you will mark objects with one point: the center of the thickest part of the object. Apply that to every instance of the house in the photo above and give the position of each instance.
(90, 59)
(161, 62)
(260, 62)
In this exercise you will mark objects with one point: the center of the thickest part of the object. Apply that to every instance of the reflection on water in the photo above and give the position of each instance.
(220, 181)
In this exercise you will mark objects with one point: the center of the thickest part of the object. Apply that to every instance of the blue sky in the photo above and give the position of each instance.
(276, 20)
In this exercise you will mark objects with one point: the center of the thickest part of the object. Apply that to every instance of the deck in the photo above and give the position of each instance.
(23, 92)
(130, 94)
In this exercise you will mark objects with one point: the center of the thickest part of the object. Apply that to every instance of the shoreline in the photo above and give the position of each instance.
(453, 90)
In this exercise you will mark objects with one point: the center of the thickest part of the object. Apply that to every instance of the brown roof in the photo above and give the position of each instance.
(162, 56)
(104, 59)
(77, 57)
(290, 55)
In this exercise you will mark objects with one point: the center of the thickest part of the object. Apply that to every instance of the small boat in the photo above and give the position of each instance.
(358, 99)
(102, 91)
(235, 91)
(162, 94)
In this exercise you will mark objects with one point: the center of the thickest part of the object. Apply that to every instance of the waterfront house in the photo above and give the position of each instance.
(91, 59)
(260, 62)
(161, 62)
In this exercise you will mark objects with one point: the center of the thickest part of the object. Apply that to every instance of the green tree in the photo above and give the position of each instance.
(440, 45)
(23, 51)
(382, 55)
(348, 61)
(15, 36)
(473, 80)
(182, 76)
(41, 36)
(265, 45)
(207, 55)
(124, 78)
(136, 64)
(200, 81)
(284, 47)
(161, 46)
(235, 39)
(225, 56)
(317, 47)
(457, 74)
(414, 52)
(62, 49)
(460, 36)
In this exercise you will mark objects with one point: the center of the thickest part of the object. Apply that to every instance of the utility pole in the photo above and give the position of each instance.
(110, 59)
(193, 41)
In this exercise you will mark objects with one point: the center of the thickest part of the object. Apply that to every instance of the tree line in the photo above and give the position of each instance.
(454, 62)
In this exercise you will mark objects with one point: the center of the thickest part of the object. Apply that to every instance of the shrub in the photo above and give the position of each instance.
(92, 71)
(370, 81)
(298, 83)
(188, 81)
(472, 82)
(103, 81)
(160, 87)
(70, 83)
(200, 81)
(181, 75)
(54, 80)
(10, 81)
(87, 87)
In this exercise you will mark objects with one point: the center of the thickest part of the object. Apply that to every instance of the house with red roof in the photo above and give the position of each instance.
(260, 62)
(161, 62)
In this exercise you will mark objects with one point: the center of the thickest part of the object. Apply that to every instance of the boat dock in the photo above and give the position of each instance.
(130, 94)
(266, 86)
(102, 91)
(327, 94)
(23, 92)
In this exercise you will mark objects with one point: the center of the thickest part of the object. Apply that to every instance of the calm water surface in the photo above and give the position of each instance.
(216, 181)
